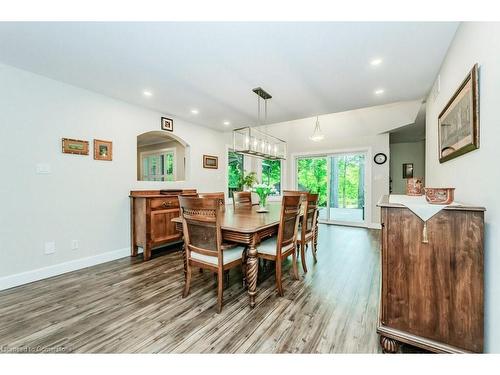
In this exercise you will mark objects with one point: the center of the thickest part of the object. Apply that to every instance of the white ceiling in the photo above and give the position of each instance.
(411, 133)
(309, 68)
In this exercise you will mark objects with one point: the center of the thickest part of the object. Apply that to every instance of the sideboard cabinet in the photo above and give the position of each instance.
(151, 214)
(432, 288)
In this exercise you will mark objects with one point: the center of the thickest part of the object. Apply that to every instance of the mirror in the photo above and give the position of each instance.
(160, 157)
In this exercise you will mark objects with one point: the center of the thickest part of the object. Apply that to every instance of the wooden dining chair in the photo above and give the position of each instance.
(203, 242)
(283, 245)
(242, 199)
(219, 196)
(307, 233)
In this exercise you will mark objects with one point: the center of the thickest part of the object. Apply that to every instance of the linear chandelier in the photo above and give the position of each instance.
(256, 142)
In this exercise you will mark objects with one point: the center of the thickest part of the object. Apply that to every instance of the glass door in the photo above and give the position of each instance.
(312, 176)
(339, 179)
(346, 202)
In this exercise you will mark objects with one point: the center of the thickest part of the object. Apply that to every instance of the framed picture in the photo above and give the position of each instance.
(458, 123)
(103, 150)
(211, 162)
(167, 124)
(408, 170)
(75, 146)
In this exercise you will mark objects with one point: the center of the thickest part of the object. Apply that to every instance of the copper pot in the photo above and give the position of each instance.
(439, 195)
(415, 186)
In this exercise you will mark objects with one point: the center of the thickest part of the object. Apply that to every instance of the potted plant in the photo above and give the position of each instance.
(263, 191)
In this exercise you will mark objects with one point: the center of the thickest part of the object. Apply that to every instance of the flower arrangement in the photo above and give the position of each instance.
(263, 191)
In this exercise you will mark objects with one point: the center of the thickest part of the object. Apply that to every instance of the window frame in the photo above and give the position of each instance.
(171, 150)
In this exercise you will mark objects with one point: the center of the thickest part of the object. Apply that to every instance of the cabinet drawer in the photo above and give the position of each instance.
(164, 203)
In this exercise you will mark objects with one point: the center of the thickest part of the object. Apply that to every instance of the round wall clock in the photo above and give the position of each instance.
(380, 158)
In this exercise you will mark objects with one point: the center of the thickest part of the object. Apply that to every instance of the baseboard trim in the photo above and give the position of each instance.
(22, 278)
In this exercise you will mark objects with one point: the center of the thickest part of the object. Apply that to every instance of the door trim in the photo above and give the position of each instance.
(367, 150)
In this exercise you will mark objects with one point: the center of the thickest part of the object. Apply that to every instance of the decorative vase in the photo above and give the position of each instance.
(262, 203)
(415, 186)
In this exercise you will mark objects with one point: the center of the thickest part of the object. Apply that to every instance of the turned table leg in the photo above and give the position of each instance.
(252, 270)
(389, 345)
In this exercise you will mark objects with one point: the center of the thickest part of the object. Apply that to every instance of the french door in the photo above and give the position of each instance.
(339, 179)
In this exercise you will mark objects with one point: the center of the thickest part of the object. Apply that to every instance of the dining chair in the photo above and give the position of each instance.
(283, 245)
(219, 196)
(308, 228)
(242, 199)
(203, 242)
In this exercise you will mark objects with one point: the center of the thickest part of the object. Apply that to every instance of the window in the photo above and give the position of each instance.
(234, 172)
(158, 165)
(271, 174)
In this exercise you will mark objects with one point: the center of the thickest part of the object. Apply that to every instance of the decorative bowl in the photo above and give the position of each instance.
(439, 195)
(415, 186)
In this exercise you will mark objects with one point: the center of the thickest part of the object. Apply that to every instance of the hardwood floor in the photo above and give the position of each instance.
(133, 306)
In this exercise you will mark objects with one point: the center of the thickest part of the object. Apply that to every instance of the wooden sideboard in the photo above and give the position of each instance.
(151, 214)
(432, 292)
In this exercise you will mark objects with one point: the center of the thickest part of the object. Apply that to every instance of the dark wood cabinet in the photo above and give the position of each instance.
(151, 213)
(432, 291)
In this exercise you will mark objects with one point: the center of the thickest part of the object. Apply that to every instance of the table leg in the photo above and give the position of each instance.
(252, 270)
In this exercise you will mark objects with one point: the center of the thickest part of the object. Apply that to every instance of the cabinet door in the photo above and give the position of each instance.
(162, 227)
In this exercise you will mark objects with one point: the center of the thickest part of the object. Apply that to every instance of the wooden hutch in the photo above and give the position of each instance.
(432, 292)
(151, 214)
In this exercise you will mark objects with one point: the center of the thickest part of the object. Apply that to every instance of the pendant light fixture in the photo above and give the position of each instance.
(317, 134)
(255, 141)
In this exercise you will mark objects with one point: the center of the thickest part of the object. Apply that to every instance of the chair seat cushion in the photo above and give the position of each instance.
(228, 256)
(269, 246)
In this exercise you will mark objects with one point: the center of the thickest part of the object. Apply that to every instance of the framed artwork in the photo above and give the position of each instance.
(167, 124)
(408, 170)
(458, 123)
(211, 162)
(75, 146)
(103, 150)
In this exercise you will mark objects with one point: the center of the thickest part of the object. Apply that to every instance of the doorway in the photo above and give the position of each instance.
(340, 181)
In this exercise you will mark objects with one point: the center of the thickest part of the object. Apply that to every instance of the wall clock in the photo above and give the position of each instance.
(380, 158)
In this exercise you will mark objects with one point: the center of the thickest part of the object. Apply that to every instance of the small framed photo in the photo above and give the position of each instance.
(167, 124)
(75, 146)
(211, 162)
(408, 170)
(103, 150)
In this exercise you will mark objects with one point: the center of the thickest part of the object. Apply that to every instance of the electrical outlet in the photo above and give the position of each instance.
(74, 245)
(50, 247)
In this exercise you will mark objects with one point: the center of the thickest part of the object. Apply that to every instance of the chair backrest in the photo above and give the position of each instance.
(289, 221)
(303, 194)
(242, 199)
(310, 217)
(219, 196)
(201, 226)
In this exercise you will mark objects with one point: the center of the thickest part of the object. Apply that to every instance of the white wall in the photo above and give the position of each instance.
(82, 199)
(476, 175)
(406, 152)
(360, 129)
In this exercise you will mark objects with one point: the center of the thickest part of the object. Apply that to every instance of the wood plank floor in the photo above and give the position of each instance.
(129, 306)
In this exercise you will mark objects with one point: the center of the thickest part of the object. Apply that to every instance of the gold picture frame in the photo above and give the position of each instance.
(103, 150)
(210, 162)
(75, 146)
(458, 122)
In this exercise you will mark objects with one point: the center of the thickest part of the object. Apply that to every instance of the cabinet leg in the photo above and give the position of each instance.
(389, 345)
(147, 252)
(134, 251)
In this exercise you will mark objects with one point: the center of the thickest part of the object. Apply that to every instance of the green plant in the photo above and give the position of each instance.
(249, 180)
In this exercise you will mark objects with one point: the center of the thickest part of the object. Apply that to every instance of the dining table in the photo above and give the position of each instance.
(248, 227)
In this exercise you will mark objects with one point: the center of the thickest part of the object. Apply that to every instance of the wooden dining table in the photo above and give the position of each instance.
(246, 226)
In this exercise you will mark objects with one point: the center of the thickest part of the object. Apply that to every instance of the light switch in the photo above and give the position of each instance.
(50, 247)
(43, 168)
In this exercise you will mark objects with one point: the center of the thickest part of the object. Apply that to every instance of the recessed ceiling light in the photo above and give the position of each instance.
(226, 123)
(147, 93)
(379, 91)
(194, 111)
(376, 62)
